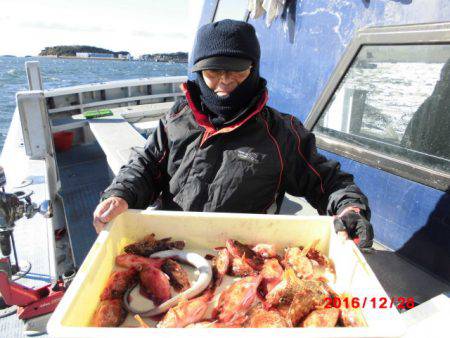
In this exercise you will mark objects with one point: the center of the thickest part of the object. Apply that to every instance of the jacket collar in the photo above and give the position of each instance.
(203, 119)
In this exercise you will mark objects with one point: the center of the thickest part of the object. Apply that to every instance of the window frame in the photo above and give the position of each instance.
(423, 34)
(245, 15)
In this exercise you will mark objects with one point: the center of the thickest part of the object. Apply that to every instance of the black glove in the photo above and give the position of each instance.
(356, 225)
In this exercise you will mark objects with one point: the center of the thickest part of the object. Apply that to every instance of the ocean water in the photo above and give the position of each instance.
(395, 93)
(70, 72)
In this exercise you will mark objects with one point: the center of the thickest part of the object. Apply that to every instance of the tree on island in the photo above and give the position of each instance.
(166, 57)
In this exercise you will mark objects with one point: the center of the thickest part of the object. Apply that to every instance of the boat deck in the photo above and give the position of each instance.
(84, 174)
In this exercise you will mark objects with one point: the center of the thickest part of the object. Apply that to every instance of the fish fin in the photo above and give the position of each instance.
(320, 306)
(315, 243)
(178, 314)
(141, 321)
(305, 250)
(311, 245)
(289, 274)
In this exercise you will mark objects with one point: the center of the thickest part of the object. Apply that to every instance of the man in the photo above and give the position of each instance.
(222, 149)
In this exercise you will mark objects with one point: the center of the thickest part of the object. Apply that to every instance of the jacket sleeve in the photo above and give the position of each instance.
(319, 180)
(139, 181)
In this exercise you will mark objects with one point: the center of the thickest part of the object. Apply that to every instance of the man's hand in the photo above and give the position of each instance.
(355, 225)
(107, 210)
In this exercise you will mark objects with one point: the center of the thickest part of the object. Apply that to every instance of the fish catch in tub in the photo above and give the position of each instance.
(240, 286)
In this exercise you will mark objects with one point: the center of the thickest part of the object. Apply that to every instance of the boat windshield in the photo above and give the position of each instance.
(395, 100)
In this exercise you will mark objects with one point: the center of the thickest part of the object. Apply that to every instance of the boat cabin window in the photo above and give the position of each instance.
(395, 100)
(231, 9)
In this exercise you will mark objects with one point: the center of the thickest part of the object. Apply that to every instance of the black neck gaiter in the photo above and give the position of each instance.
(225, 108)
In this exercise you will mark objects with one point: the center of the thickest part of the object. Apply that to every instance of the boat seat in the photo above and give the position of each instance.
(145, 118)
(116, 137)
(155, 110)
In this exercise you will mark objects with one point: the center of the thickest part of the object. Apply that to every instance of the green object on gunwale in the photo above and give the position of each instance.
(97, 113)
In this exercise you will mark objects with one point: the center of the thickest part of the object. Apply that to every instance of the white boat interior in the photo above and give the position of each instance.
(74, 179)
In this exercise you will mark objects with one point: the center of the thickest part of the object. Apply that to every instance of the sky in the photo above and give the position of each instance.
(138, 26)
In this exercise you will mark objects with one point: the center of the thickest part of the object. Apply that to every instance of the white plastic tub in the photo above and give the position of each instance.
(204, 231)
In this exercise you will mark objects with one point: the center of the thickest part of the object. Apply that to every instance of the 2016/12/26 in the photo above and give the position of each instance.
(375, 302)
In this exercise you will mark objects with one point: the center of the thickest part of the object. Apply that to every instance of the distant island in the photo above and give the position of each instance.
(166, 57)
(91, 52)
(81, 51)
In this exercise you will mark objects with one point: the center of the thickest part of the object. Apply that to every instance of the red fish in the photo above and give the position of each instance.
(239, 250)
(109, 313)
(317, 256)
(220, 266)
(155, 284)
(137, 262)
(235, 301)
(312, 295)
(322, 318)
(118, 282)
(261, 318)
(265, 250)
(323, 268)
(285, 290)
(223, 261)
(186, 312)
(272, 274)
(296, 258)
(303, 303)
(241, 268)
(150, 244)
(178, 277)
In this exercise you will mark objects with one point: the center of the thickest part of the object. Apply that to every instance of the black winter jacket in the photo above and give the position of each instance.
(247, 166)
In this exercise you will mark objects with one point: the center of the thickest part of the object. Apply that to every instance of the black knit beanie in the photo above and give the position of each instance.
(234, 39)
(227, 38)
